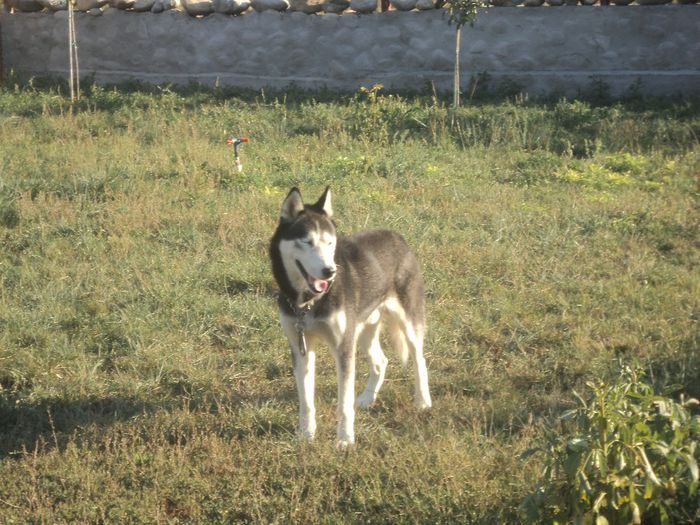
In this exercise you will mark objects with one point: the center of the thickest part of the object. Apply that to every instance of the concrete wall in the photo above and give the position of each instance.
(548, 49)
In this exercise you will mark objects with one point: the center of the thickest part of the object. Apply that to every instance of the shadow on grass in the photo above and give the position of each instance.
(233, 286)
(52, 92)
(51, 422)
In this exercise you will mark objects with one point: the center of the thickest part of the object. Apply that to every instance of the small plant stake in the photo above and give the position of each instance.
(236, 142)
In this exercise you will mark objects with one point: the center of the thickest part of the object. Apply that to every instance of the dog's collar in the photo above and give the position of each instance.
(300, 321)
(300, 312)
(307, 305)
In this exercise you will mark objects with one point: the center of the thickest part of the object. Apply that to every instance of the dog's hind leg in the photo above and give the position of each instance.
(368, 343)
(414, 338)
(407, 337)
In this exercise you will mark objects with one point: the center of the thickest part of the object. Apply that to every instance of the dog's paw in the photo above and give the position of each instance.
(344, 444)
(365, 400)
(423, 404)
(307, 436)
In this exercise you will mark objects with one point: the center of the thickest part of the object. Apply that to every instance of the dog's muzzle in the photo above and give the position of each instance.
(317, 286)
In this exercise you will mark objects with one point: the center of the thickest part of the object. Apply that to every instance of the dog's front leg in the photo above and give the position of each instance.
(345, 364)
(304, 375)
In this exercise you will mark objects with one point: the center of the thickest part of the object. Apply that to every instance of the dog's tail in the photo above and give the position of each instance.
(398, 340)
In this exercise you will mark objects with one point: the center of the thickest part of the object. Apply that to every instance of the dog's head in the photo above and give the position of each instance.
(306, 240)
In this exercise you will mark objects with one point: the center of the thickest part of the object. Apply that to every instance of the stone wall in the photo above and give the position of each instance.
(545, 50)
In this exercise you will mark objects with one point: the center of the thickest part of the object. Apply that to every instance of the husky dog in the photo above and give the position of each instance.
(341, 290)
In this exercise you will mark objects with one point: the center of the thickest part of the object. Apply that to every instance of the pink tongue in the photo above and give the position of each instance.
(319, 285)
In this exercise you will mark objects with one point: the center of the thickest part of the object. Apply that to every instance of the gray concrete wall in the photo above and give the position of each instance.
(545, 50)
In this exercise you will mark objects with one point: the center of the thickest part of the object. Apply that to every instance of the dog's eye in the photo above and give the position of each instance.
(308, 241)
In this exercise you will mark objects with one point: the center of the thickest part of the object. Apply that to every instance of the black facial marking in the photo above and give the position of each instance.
(303, 271)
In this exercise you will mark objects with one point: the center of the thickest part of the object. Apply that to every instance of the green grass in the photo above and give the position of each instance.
(143, 374)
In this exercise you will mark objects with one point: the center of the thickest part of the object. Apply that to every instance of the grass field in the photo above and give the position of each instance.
(143, 374)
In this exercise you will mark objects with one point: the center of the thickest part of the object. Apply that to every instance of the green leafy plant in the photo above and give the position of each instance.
(380, 119)
(626, 455)
(370, 115)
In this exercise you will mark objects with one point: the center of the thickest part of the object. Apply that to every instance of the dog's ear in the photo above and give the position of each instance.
(292, 206)
(324, 203)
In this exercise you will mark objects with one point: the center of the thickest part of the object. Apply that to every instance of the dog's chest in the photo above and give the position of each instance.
(334, 322)
(329, 327)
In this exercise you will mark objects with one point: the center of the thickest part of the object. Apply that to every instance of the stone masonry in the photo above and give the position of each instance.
(546, 50)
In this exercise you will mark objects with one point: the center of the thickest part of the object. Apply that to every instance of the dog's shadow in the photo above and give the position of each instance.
(26, 426)
(50, 423)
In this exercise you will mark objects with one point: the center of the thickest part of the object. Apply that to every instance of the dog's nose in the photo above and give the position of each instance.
(328, 273)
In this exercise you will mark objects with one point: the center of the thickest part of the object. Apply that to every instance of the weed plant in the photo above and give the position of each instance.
(627, 455)
(143, 374)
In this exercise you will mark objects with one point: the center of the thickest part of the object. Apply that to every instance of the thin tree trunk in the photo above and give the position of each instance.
(70, 50)
(74, 66)
(457, 83)
(75, 59)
